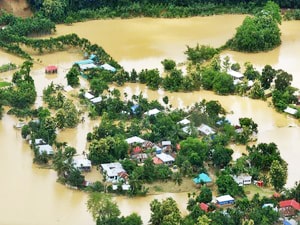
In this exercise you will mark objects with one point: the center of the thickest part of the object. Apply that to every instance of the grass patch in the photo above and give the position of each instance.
(252, 189)
(4, 84)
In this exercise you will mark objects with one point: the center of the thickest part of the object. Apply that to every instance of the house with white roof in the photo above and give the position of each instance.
(205, 129)
(87, 66)
(113, 171)
(184, 122)
(134, 139)
(235, 75)
(96, 100)
(242, 179)
(38, 141)
(166, 158)
(45, 148)
(291, 111)
(152, 112)
(225, 200)
(108, 67)
(88, 95)
(81, 163)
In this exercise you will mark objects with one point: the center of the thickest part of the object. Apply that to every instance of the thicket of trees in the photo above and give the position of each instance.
(259, 32)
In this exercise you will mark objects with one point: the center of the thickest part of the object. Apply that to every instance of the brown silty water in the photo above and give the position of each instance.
(31, 195)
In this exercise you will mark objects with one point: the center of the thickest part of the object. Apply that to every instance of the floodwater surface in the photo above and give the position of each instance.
(31, 195)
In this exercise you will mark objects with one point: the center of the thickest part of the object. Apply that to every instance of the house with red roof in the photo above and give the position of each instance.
(203, 207)
(289, 207)
(51, 69)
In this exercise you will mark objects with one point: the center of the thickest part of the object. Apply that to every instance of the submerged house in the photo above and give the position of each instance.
(205, 129)
(51, 69)
(235, 75)
(113, 172)
(45, 148)
(81, 163)
(108, 67)
(291, 111)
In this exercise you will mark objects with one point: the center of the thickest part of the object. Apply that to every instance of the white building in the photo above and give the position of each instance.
(81, 163)
(243, 179)
(291, 111)
(113, 171)
(45, 148)
(207, 130)
(37, 141)
(152, 112)
(184, 122)
(88, 96)
(235, 75)
(166, 158)
(134, 139)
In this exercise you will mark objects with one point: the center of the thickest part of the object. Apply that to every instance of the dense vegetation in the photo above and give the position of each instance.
(74, 10)
(260, 32)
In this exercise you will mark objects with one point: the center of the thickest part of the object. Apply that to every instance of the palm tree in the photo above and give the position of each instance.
(177, 178)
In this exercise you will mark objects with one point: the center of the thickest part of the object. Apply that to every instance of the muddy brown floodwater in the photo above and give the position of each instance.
(31, 196)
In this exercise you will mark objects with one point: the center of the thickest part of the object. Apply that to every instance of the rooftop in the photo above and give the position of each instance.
(290, 203)
(152, 112)
(207, 130)
(134, 139)
(165, 157)
(224, 198)
(112, 169)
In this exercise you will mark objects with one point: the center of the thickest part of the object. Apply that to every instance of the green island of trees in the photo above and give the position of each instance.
(122, 119)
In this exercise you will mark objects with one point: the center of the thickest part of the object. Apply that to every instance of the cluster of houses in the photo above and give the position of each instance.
(80, 162)
(162, 154)
(287, 208)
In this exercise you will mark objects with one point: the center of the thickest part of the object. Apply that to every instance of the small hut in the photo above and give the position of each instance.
(51, 69)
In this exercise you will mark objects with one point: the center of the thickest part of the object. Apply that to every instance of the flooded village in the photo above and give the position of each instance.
(31, 195)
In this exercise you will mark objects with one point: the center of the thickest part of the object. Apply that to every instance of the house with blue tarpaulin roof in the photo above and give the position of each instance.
(202, 178)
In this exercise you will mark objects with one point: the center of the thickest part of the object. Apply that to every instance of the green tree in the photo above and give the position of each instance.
(54, 9)
(102, 208)
(267, 76)
(200, 54)
(205, 195)
(165, 212)
(278, 174)
(258, 33)
(223, 84)
(168, 64)
(177, 178)
(262, 155)
(250, 72)
(256, 91)
(75, 178)
(221, 156)
(203, 220)
(283, 80)
(132, 219)
(227, 185)
(173, 81)
(73, 76)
